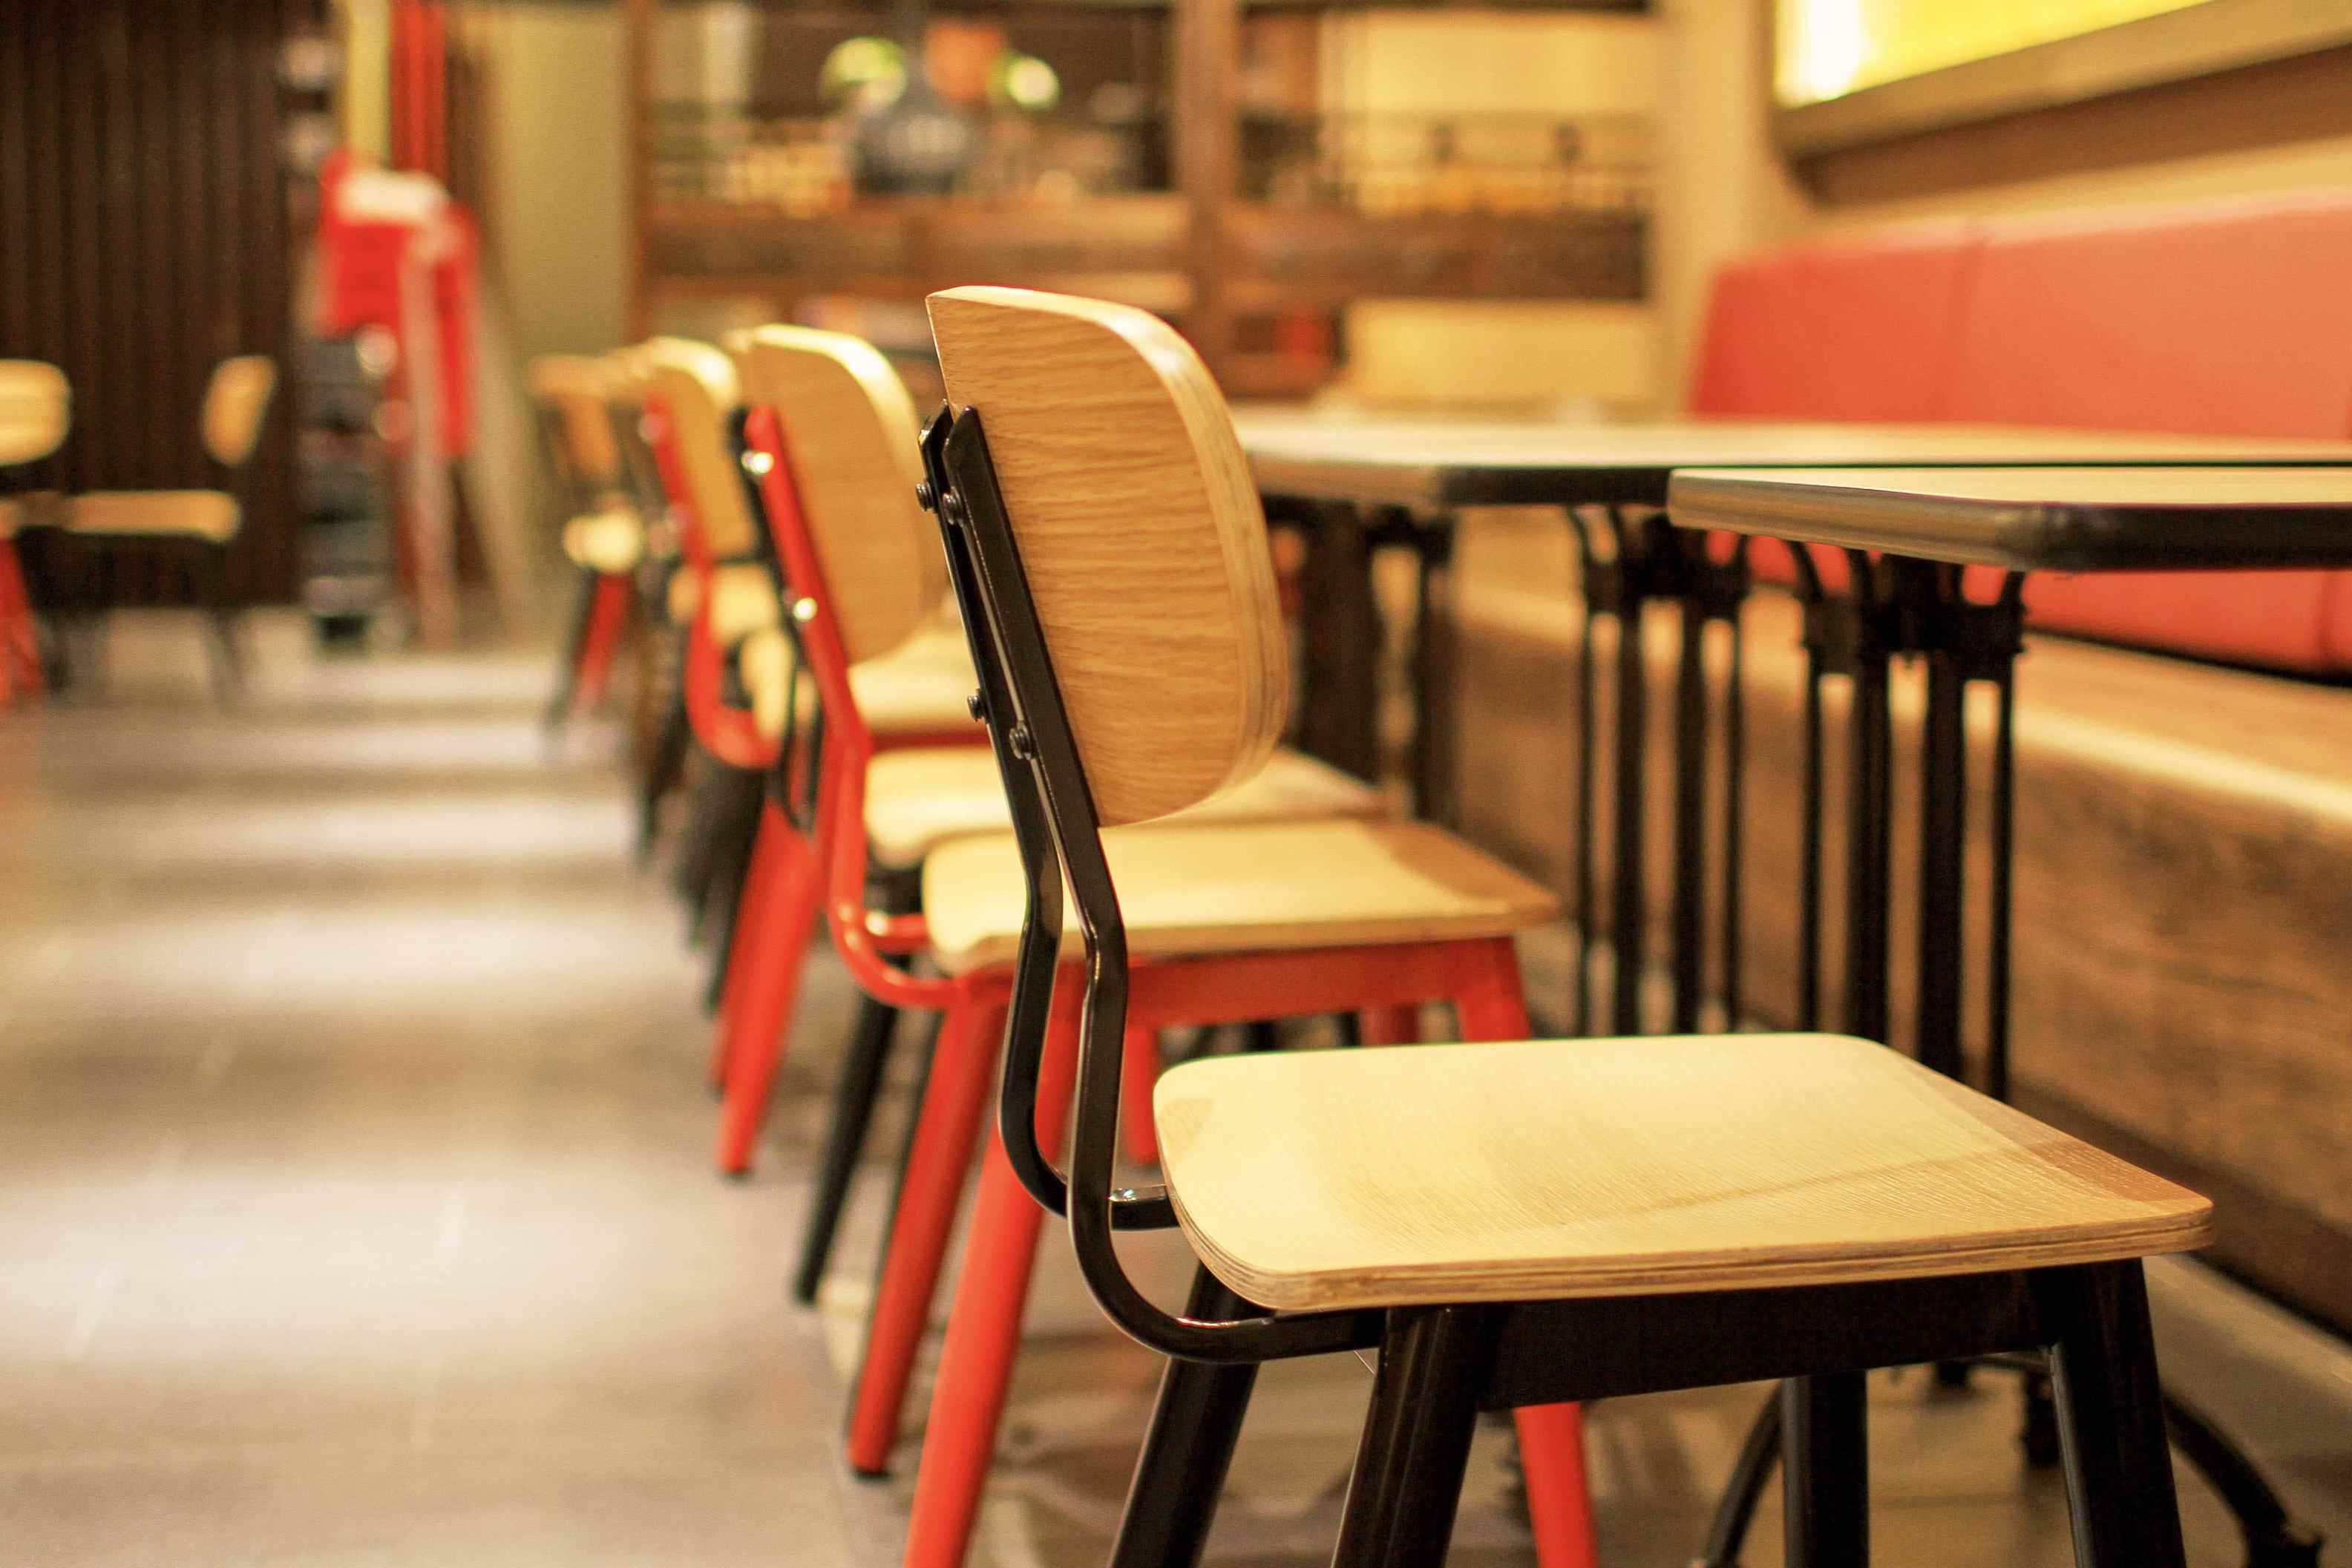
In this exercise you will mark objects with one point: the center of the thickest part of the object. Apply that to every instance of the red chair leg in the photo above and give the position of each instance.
(1491, 1006)
(984, 1329)
(772, 852)
(764, 1007)
(20, 641)
(1135, 1078)
(962, 1072)
(606, 620)
(1398, 1025)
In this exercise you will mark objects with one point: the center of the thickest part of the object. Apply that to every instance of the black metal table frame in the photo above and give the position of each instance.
(1631, 558)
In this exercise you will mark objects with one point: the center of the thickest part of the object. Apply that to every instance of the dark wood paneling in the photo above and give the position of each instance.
(141, 193)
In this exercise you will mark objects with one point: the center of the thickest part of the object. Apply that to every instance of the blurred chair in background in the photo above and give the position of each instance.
(237, 401)
(602, 535)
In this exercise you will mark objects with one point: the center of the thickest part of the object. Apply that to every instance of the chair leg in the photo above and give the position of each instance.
(766, 1010)
(608, 619)
(1407, 1483)
(845, 1139)
(742, 801)
(664, 767)
(22, 632)
(1140, 1072)
(1825, 1471)
(1398, 1025)
(2111, 1418)
(229, 667)
(939, 1155)
(1736, 1509)
(1172, 1500)
(984, 1325)
(775, 849)
(1492, 1007)
(575, 646)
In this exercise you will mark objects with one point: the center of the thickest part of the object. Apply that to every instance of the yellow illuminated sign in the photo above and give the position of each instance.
(1829, 48)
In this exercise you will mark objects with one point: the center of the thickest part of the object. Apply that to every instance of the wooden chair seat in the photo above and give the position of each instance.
(1551, 1169)
(918, 800)
(924, 689)
(743, 600)
(610, 541)
(211, 516)
(1248, 888)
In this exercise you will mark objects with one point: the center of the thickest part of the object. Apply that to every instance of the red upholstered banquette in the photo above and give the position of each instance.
(2219, 319)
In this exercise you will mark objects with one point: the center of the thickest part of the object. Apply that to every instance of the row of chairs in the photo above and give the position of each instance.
(1510, 1224)
(35, 417)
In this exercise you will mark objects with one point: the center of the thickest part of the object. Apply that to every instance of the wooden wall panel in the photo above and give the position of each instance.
(146, 237)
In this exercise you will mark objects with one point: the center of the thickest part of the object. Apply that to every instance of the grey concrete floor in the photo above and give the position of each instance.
(356, 1204)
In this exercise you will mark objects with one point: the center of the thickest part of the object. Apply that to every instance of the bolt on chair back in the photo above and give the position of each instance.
(1513, 1222)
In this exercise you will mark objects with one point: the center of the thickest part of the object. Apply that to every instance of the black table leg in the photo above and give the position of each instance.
(1825, 1471)
(1435, 671)
(1338, 719)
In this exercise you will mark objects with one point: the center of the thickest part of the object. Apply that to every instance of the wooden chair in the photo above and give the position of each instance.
(831, 434)
(236, 401)
(1232, 920)
(599, 531)
(36, 413)
(1507, 1222)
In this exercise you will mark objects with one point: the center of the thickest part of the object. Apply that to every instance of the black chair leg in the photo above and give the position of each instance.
(1172, 1502)
(2111, 1418)
(853, 1112)
(1736, 1511)
(228, 654)
(1825, 1471)
(567, 673)
(664, 768)
(1407, 1481)
(738, 829)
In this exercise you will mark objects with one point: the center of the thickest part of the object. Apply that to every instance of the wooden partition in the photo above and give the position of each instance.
(144, 236)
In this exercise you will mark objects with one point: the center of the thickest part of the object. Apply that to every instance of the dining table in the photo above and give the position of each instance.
(1929, 563)
(1355, 484)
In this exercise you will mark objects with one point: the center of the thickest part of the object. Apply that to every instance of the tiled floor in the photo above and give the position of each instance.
(354, 1206)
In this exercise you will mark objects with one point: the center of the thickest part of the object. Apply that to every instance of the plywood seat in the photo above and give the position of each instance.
(610, 540)
(211, 516)
(1248, 888)
(1551, 1169)
(743, 600)
(924, 689)
(919, 799)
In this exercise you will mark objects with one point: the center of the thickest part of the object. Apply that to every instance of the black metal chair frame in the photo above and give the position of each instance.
(1441, 1365)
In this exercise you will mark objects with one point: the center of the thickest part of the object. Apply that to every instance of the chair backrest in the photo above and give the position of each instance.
(851, 437)
(694, 385)
(236, 399)
(573, 389)
(35, 410)
(1140, 535)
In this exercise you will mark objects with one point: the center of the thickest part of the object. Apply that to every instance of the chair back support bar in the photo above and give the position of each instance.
(1145, 546)
(998, 565)
(236, 400)
(694, 385)
(851, 433)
